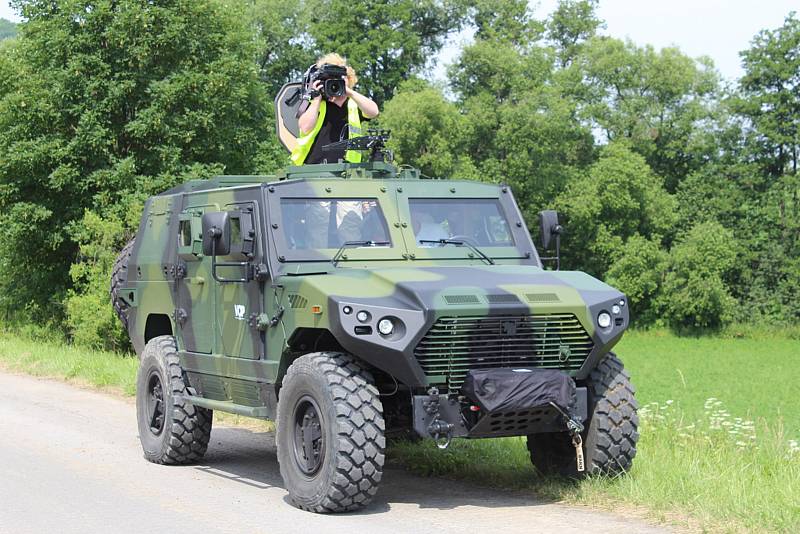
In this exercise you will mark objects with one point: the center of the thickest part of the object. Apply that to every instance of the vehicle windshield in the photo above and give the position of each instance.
(312, 223)
(477, 221)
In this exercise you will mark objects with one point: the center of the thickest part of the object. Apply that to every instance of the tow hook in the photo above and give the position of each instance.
(574, 427)
(440, 430)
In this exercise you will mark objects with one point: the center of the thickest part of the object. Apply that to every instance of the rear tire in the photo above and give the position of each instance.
(171, 431)
(119, 277)
(609, 440)
(330, 433)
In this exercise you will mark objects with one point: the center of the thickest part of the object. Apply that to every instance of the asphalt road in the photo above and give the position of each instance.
(70, 461)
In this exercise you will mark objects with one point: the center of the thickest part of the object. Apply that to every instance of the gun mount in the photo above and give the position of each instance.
(374, 143)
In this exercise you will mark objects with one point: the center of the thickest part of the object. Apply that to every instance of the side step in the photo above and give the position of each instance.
(259, 412)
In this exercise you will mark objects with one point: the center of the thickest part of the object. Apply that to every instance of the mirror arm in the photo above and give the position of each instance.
(215, 232)
(557, 229)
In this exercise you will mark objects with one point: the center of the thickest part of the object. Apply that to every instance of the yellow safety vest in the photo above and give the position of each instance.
(304, 143)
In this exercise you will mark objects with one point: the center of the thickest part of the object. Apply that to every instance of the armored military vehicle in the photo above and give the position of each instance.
(354, 302)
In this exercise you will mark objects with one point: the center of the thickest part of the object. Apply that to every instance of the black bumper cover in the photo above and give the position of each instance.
(503, 402)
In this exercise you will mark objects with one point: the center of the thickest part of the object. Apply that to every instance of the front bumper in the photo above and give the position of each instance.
(441, 416)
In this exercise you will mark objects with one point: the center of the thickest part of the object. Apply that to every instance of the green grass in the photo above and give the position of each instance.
(697, 465)
(753, 377)
(52, 359)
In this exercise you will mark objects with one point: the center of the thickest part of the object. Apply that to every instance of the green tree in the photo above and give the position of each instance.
(766, 159)
(519, 127)
(509, 21)
(618, 198)
(111, 102)
(656, 100)
(571, 24)
(427, 130)
(770, 95)
(386, 41)
(284, 50)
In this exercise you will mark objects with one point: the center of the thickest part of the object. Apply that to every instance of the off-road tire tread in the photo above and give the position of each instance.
(361, 441)
(615, 413)
(189, 425)
(614, 424)
(119, 276)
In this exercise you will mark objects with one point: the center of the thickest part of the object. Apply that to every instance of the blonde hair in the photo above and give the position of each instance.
(335, 59)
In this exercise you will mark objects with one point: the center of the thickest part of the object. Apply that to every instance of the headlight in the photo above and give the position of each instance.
(604, 319)
(363, 316)
(385, 327)
(615, 309)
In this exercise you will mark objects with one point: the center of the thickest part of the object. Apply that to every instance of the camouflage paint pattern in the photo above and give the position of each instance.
(236, 339)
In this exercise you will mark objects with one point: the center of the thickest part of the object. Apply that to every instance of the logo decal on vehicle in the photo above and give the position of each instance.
(238, 311)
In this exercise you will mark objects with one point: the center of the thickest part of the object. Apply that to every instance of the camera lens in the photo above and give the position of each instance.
(334, 88)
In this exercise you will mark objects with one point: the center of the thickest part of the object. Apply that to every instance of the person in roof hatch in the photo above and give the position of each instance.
(331, 118)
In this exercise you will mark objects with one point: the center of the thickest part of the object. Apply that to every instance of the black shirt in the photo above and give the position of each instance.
(334, 128)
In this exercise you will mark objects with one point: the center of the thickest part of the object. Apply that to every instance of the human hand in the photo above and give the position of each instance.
(348, 91)
(316, 85)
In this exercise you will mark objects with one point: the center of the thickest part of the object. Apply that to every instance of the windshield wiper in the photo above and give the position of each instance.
(460, 243)
(356, 244)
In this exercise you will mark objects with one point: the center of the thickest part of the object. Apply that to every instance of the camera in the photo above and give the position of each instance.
(332, 78)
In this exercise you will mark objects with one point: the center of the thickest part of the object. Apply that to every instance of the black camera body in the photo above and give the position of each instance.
(332, 78)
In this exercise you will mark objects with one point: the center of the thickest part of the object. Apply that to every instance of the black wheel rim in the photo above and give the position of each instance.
(155, 404)
(309, 442)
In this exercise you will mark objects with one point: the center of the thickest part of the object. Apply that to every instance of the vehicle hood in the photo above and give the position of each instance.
(429, 288)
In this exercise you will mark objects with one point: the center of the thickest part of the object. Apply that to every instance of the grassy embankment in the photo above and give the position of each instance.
(730, 463)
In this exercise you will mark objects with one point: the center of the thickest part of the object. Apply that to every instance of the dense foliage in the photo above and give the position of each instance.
(678, 188)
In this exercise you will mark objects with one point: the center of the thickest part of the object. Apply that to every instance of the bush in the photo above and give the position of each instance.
(695, 294)
(639, 273)
(90, 317)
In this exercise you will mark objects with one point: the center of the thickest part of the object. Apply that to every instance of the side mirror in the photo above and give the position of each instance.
(216, 233)
(551, 231)
(548, 223)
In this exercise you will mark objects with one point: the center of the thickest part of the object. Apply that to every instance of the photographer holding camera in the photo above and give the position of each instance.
(334, 112)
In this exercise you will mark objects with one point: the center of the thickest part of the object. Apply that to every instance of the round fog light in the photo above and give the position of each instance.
(362, 316)
(347, 310)
(615, 309)
(604, 320)
(385, 327)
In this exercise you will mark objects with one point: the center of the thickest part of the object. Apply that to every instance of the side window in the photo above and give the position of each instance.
(185, 232)
(243, 235)
(190, 236)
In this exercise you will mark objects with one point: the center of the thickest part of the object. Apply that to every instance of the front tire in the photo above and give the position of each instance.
(171, 431)
(611, 434)
(330, 433)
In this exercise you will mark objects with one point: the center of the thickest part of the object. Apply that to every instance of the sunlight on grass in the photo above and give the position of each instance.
(66, 362)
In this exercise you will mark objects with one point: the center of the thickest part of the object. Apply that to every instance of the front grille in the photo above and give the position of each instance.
(454, 345)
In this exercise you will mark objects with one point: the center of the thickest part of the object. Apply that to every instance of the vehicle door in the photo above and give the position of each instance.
(238, 295)
(194, 285)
